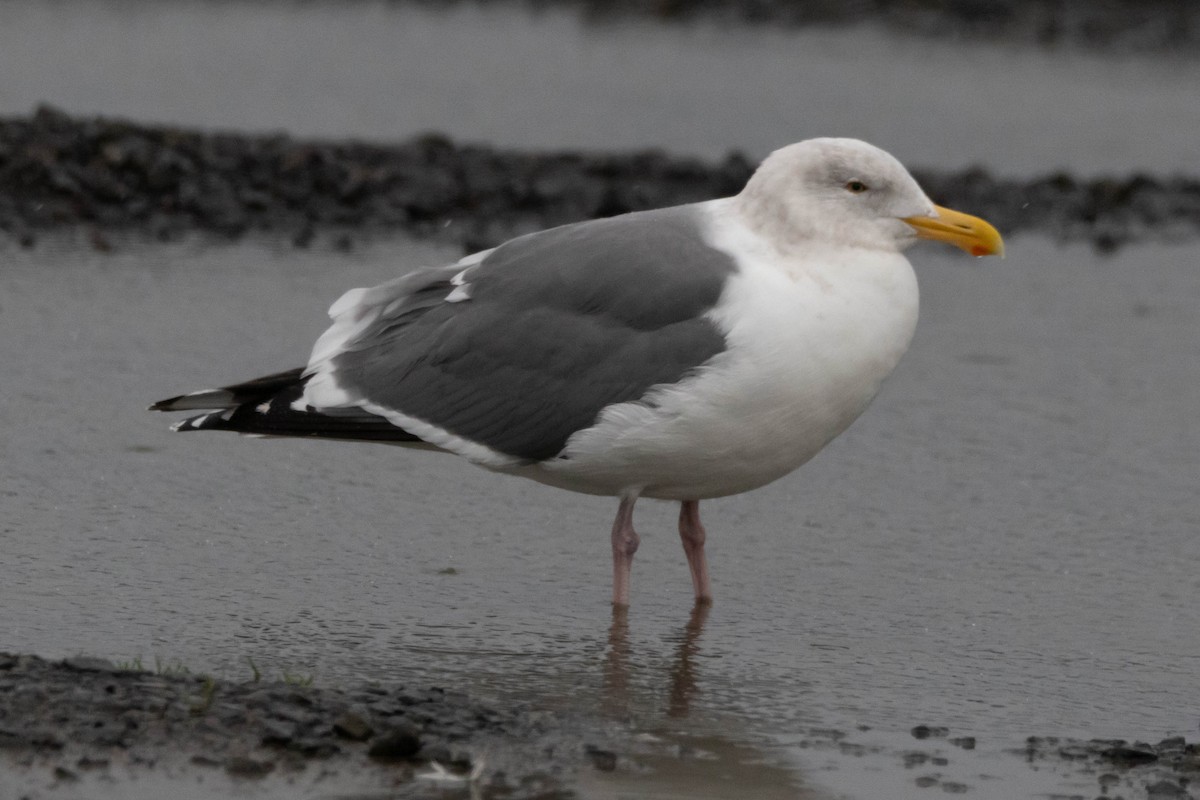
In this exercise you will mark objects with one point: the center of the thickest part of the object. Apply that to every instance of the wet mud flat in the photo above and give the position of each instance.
(86, 722)
(65, 722)
(1104, 769)
(1166, 770)
(104, 176)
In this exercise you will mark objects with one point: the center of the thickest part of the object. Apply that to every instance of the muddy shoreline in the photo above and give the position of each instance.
(107, 176)
(71, 723)
(67, 720)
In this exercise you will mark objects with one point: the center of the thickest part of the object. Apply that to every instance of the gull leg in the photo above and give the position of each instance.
(624, 544)
(691, 533)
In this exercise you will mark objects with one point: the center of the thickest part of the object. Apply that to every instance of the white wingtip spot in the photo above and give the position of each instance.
(192, 424)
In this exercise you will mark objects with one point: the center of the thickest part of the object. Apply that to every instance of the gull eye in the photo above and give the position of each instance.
(856, 186)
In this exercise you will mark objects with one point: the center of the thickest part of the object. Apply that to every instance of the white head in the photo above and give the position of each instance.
(848, 192)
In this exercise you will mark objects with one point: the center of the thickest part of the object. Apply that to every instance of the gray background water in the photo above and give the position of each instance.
(386, 71)
(1005, 544)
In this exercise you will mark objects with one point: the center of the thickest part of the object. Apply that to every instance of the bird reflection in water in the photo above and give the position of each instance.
(684, 680)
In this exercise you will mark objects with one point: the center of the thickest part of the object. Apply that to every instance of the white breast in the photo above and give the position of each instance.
(811, 337)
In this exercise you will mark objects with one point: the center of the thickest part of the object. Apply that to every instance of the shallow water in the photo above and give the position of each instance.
(389, 70)
(1003, 545)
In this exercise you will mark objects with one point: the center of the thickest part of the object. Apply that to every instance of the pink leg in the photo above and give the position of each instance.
(691, 532)
(624, 544)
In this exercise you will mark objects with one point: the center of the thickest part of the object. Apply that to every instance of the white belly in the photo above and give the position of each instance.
(808, 350)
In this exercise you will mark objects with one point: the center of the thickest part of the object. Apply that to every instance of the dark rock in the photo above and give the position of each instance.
(1175, 744)
(398, 744)
(603, 760)
(927, 732)
(1129, 756)
(352, 726)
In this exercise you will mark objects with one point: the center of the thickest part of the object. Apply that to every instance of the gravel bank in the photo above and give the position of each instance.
(105, 176)
(1106, 24)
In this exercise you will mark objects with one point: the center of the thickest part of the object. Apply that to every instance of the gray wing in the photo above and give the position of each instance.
(527, 346)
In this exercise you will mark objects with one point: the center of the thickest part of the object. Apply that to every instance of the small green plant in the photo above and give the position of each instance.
(133, 665)
(169, 668)
(253, 669)
(297, 680)
(206, 696)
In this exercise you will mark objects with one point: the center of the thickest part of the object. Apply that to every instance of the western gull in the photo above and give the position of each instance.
(682, 354)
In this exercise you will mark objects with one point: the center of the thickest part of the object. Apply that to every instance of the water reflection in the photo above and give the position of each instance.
(676, 750)
(616, 663)
(683, 678)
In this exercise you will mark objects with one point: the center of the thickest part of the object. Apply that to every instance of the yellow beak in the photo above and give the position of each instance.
(972, 234)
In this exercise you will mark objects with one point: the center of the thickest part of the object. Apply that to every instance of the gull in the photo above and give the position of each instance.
(681, 354)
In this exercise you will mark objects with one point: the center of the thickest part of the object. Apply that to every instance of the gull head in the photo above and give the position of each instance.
(845, 192)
